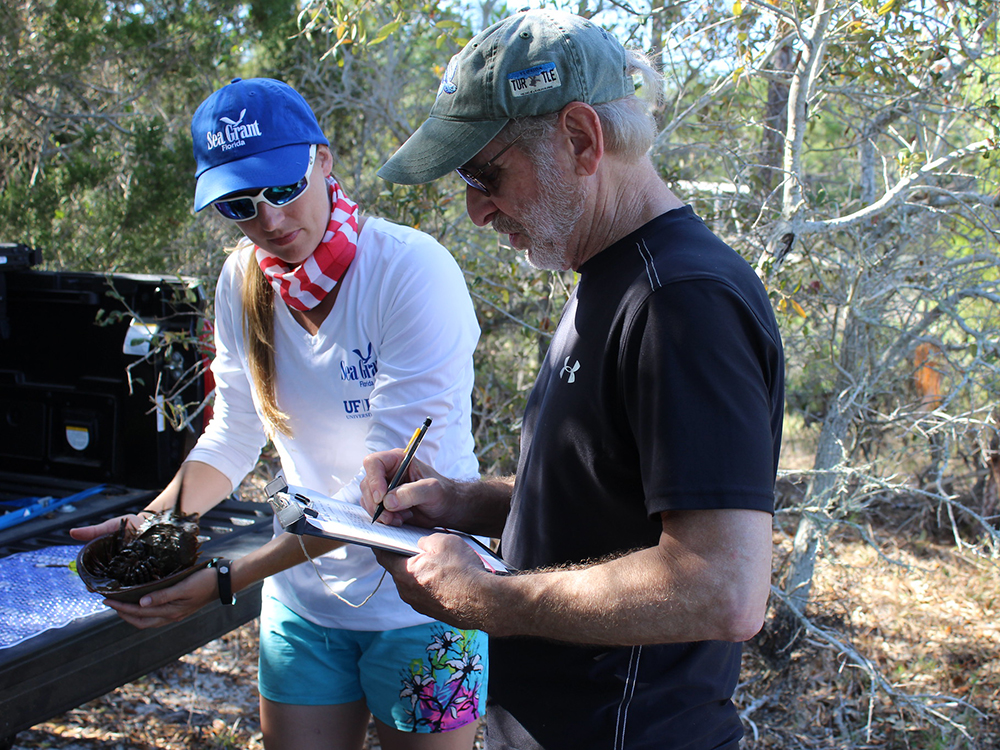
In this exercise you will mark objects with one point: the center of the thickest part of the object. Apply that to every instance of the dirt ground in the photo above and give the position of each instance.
(924, 612)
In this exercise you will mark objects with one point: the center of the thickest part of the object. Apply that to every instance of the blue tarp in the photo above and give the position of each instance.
(40, 591)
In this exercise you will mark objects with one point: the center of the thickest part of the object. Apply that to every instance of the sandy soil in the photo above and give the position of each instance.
(924, 612)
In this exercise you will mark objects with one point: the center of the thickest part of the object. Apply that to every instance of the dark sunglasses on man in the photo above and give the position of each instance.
(474, 179)
(244, 207)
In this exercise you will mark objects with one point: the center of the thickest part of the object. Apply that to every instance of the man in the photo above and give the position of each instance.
(641, 510)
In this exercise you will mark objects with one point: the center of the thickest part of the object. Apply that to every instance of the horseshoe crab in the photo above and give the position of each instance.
(129, 563)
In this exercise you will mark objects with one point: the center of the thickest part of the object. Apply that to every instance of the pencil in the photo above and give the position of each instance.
(411, 448)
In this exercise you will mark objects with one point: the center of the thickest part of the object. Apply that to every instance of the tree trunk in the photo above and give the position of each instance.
(775, 122)
(991, 487)
(821, 494)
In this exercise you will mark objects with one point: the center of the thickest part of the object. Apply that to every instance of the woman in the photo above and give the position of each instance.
(335, 336)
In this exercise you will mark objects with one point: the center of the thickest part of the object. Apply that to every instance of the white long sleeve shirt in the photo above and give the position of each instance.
(396, 348)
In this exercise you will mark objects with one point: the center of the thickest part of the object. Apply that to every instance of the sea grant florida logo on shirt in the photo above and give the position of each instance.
(361, 369)
(234, 133)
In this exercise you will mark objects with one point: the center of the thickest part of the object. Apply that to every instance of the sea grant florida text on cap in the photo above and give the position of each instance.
(532, 63)
(250, 135)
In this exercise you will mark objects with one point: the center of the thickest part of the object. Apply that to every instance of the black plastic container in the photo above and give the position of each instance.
(88, 407)
(83, 395)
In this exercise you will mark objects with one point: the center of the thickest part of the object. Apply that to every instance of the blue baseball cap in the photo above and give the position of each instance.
(251, 135)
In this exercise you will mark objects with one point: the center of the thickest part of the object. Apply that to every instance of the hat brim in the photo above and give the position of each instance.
(279, 166)
(437, 147)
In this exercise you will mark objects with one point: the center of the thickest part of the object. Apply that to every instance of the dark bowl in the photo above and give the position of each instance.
(112, 589)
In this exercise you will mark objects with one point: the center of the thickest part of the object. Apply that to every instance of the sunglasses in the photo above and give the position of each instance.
(244, 208)
(474, 179)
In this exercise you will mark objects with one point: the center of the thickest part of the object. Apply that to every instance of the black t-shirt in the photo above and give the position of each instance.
(662, 390)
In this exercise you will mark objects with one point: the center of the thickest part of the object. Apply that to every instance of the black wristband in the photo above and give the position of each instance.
(222, 569)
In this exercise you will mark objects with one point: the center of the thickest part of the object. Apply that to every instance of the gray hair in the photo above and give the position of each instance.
(628, 124)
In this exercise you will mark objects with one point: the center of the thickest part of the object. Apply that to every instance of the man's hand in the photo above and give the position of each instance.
(426, 498)
(421, 499)
(445, 581)
(171, 604)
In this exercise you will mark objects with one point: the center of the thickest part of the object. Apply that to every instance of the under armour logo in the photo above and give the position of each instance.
(569, 370)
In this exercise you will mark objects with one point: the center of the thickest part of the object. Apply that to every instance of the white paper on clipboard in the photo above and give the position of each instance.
(304, 511)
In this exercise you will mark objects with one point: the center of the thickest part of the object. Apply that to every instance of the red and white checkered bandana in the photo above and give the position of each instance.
(305, 286)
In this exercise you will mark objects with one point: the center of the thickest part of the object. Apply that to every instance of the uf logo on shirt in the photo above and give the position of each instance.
(362, 369)
(357, 406)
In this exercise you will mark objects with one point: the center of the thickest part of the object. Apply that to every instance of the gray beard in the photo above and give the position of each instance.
(549, 221)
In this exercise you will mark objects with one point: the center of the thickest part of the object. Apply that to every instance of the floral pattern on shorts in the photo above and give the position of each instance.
(444, 688)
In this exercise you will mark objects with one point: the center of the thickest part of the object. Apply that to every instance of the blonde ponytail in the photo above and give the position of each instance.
(258, 331)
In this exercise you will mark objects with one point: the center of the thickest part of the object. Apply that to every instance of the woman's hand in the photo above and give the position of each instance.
(172, 604)
(161, 607)
(87, 533)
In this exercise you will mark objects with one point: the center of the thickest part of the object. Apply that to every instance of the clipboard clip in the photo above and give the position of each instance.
(288, 508)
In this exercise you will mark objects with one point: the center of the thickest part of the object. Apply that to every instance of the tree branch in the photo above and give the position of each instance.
(894, 195)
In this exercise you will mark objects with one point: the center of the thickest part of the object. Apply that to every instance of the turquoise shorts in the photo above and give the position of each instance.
(426, 678)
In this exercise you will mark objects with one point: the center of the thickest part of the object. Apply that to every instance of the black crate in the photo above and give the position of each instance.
(14, 256)
(82, 414)
(73, 402)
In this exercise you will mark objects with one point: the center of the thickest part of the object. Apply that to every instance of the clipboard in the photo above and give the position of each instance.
(303, 511)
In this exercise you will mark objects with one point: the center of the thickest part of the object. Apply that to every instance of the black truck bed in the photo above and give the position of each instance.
(60, 669)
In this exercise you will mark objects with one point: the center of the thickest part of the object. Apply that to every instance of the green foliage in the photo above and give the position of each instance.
(358, 26)
(95, 165)
(94, 103)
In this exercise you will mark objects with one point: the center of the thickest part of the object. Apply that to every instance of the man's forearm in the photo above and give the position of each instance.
(675, 592)
(483, 506)
(615, 603)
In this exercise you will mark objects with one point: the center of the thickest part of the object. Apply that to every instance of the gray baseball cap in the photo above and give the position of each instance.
(531, 63)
